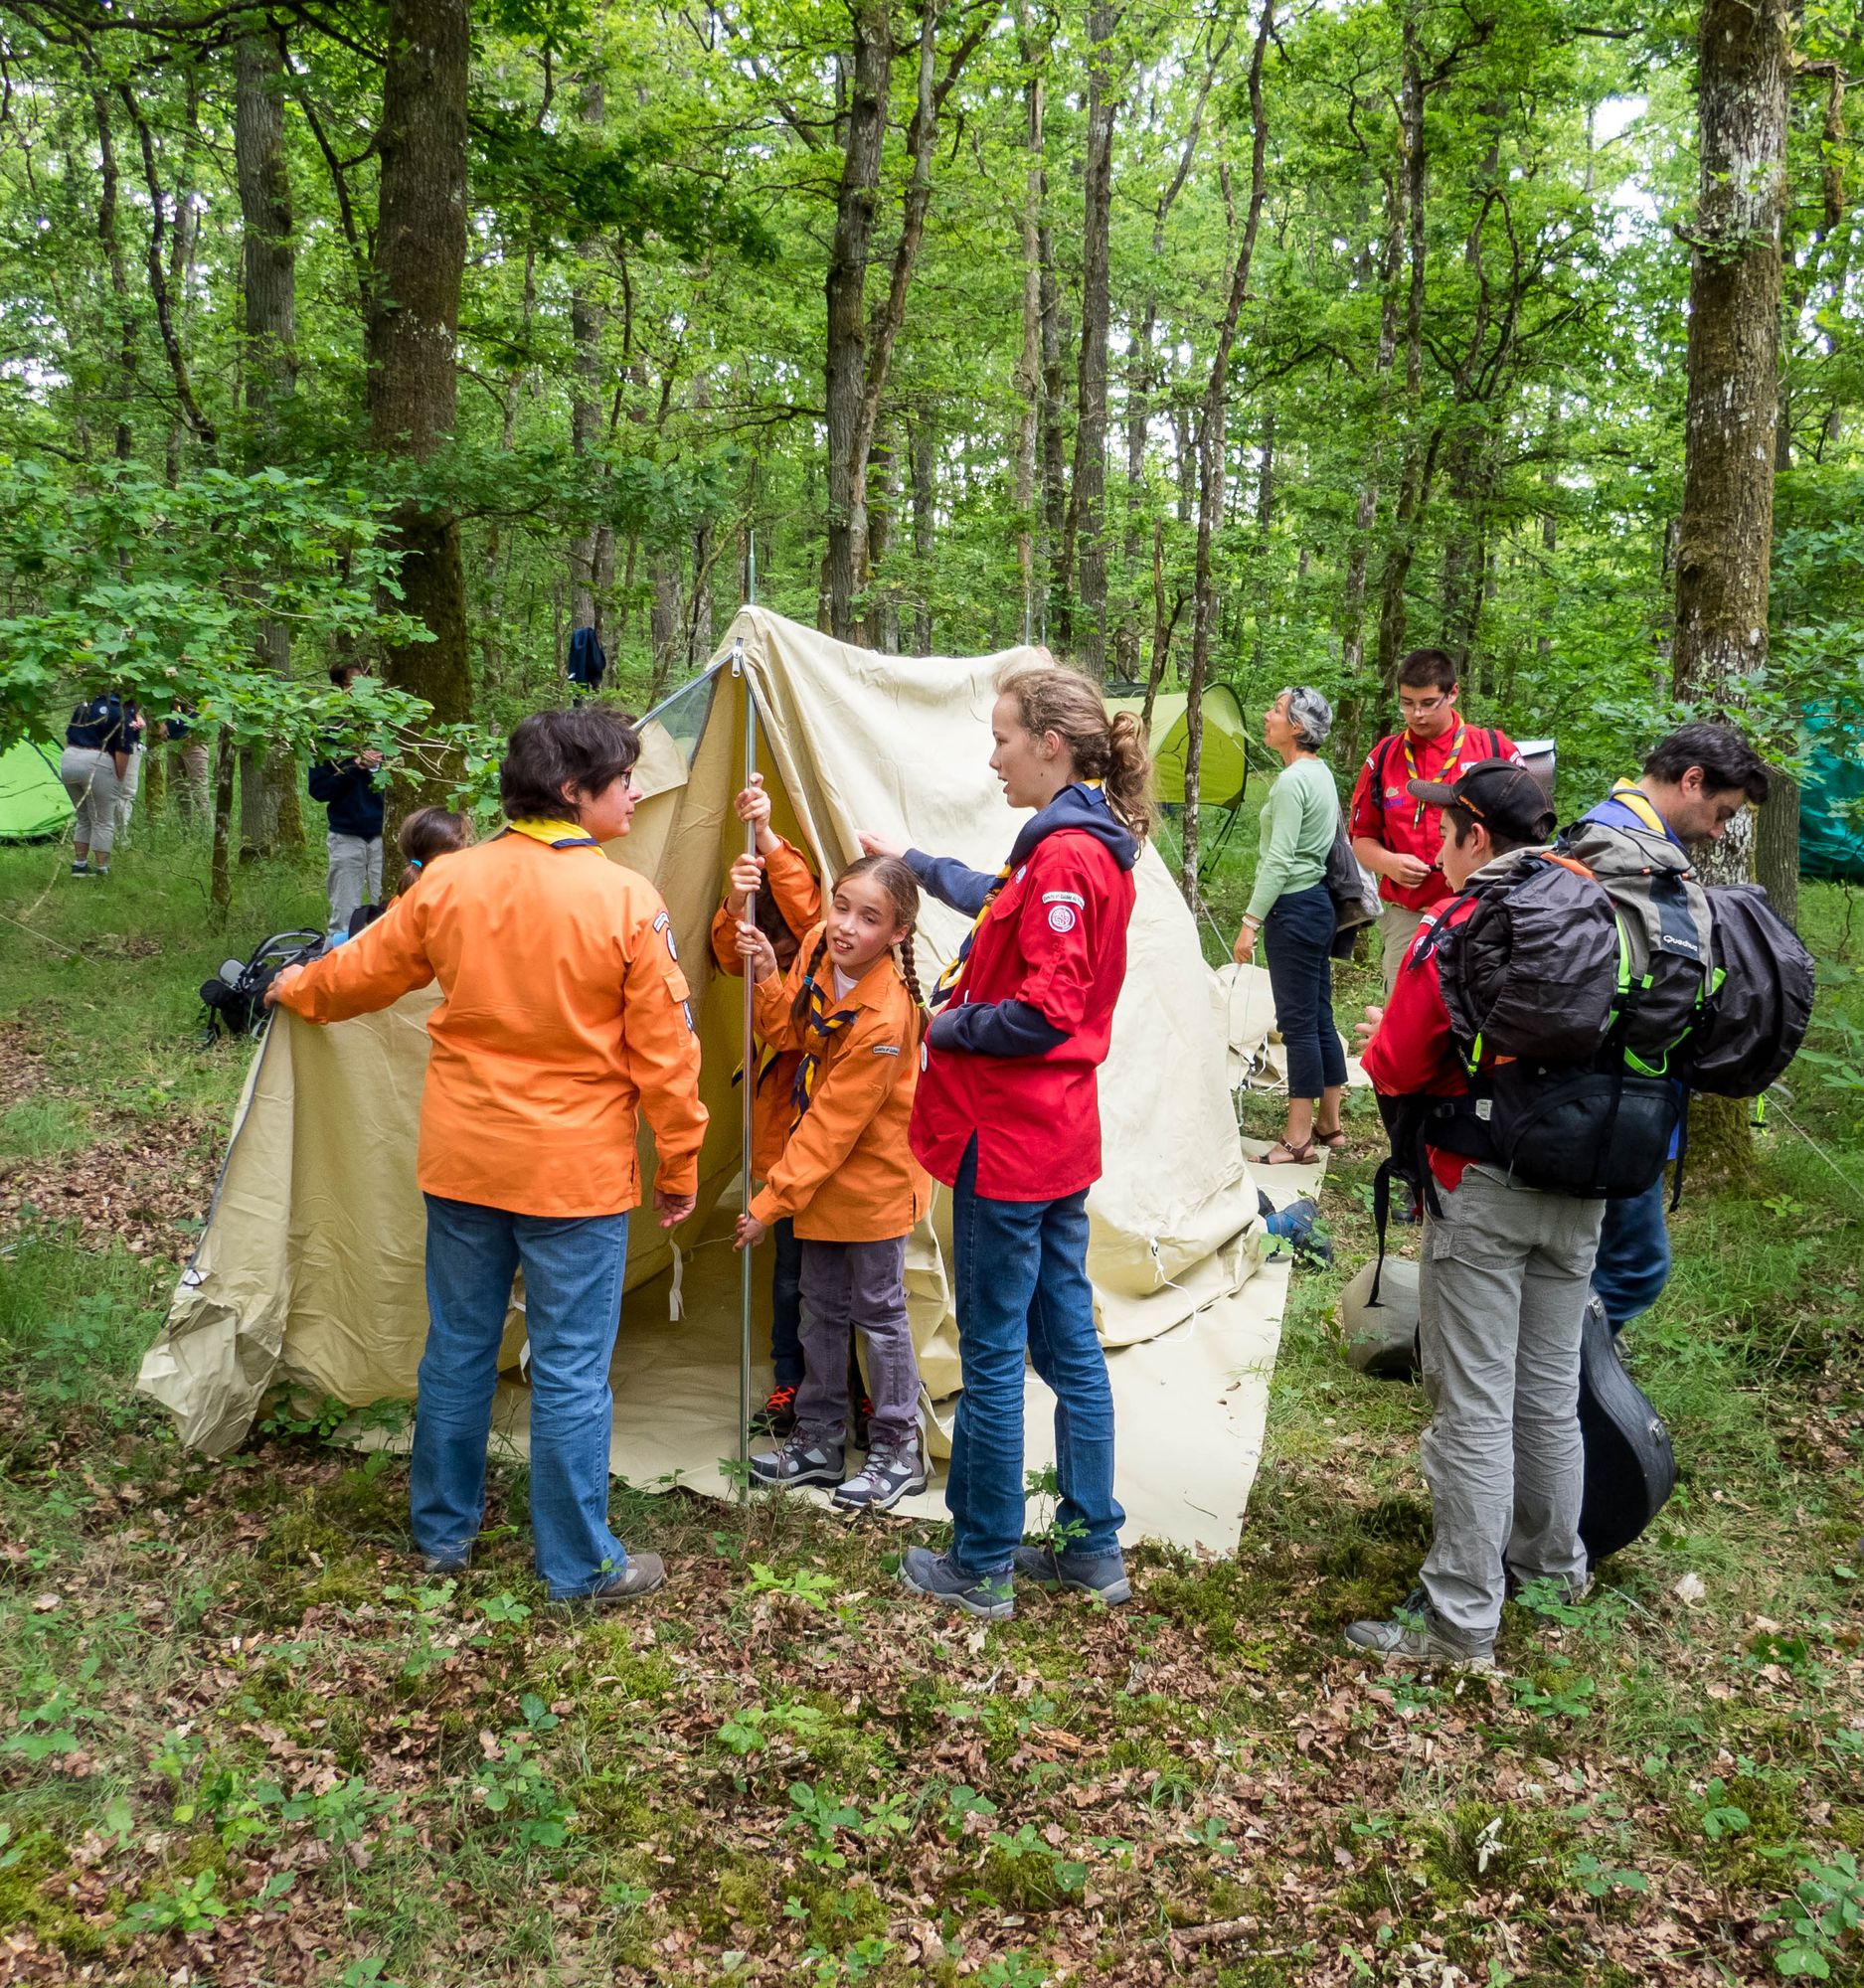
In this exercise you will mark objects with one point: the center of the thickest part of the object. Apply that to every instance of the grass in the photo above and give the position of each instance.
(242, 1736)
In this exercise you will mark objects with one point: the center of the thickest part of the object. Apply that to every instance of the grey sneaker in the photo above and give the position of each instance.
(644, 1573)
(883, 1480)
(457, 1560)
(991, 1597)
(1103, 1576)
(1417, 1634)
(801, 1460)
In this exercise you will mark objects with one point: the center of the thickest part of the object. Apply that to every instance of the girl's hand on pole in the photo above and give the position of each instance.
(756, 951)
(673, 1209)
(750, 1232)
(746, 877)
(882, 845)
(279, 983)
(754, 807)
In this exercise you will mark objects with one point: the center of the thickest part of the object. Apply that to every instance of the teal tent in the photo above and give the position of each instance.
(1831, 835)
(34, 805)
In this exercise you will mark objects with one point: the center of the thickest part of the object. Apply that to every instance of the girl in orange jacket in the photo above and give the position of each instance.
(779, 886)
(846, 1177)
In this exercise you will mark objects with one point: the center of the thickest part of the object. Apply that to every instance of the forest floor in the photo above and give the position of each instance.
(242, 1740)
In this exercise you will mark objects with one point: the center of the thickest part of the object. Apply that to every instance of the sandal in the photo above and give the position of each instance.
(1292, 1156)
(1334, 1141)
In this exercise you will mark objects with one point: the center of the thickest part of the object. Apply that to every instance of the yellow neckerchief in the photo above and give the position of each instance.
(553, 833)
(1630, 795)
(948, 980)
(1444, 774)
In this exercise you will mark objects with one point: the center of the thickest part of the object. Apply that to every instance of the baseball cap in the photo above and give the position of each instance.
(1507, 799)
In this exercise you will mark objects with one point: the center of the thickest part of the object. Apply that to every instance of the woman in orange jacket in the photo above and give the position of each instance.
(564, 1015)
(786, 900)
(847, 1178)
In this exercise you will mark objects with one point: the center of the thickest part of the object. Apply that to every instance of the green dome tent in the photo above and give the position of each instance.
(1831, 844)
(1225, 768)
(34, 805)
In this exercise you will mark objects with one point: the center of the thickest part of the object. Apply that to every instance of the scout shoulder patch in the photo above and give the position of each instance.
(663, 924)
(885, 1048)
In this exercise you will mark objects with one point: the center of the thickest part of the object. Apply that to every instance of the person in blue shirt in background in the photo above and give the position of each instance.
(347, 788)
(99, 748)
(1693, 784)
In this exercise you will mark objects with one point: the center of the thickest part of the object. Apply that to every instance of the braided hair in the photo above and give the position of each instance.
(902, 887)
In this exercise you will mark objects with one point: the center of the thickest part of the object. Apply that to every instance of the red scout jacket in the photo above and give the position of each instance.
(1385, 811)
(1413, 1052)
(1049, 953)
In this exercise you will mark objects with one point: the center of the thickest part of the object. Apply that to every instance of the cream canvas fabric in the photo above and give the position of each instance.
(309, 1271)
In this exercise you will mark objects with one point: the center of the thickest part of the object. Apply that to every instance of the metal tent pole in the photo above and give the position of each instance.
(746, 1102)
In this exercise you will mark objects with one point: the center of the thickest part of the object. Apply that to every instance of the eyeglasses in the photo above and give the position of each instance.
(1421, 706)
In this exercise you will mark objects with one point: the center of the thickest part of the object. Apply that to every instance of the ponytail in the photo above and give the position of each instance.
(1050, 697)
(909, 972)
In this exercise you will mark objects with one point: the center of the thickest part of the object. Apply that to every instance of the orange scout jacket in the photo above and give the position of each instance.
(798, 899)
(847, 1174)
(565, 1014)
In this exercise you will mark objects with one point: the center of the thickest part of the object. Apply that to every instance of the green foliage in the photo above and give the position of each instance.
(1820, 1917)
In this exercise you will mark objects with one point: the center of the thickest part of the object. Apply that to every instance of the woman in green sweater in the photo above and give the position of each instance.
(1291, 902)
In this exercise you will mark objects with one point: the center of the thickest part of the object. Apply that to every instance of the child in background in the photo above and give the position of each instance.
(785, 901)
(846, 1176)
(427, 833)
(430, 832)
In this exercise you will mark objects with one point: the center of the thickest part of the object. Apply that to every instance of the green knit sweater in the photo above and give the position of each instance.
(1299, 821)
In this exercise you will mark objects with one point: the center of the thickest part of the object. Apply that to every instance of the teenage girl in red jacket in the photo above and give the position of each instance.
(1007, 1115)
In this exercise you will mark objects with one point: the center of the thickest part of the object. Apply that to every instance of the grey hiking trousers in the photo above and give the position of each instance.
(1502, 1291)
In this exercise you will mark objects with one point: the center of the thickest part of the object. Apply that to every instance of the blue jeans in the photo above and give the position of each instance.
(1022, 1283)
(786, 1304)
(1634, 1262)
(573, 1305)
(1299, 929)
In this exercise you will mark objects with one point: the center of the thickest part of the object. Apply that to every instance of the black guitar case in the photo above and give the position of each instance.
(1630, 1469)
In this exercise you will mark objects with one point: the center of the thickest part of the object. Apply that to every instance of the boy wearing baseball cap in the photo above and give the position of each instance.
(1502, 1288)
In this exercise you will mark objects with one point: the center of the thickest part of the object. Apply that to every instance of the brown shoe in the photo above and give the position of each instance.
(644, 1575)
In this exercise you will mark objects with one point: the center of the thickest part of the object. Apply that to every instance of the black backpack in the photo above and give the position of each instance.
(1538, 984)
(234, 999)
(1760, 1001)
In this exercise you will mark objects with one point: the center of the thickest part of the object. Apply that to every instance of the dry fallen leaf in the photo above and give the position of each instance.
(44, 1603)
(1690, 1589)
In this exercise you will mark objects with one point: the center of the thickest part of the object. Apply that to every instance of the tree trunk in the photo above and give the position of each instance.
(865, 130)
(1029, 365)
(586, 317)
(924, 453)
(1087, 552)
(107, 194)
(269, 370)
(1057, 618)
(1725, 537)
(1396, 574)
(1777, 845)
(1211, 465)
(220, 886)
(413, 327)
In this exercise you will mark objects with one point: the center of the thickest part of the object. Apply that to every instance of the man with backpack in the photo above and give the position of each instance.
(1637, 841)
(1394, 834)
(1503, 1278)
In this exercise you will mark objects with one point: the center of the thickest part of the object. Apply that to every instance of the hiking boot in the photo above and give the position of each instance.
(458, 1560)
(777, 1417)
(884, 1479)
(800, 1461)
(644, 1573)
(1103, 1576)
(1417, 1634)
(991, 1597)
(1576, 1591)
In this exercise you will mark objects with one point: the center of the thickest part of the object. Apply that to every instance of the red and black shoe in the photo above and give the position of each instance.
(777, 1417)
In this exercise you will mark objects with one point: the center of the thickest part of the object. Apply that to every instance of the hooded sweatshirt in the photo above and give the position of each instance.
(1012, 1055)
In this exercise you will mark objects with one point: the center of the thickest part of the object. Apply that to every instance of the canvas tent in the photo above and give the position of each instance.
(310, 1267)
(32, 802)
